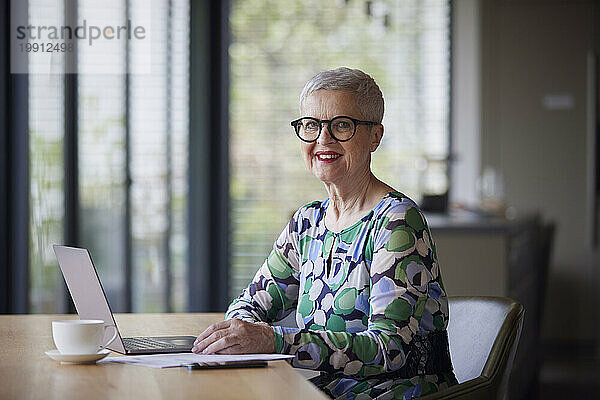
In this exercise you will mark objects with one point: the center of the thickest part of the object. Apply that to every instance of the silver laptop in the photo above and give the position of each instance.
(88, 295)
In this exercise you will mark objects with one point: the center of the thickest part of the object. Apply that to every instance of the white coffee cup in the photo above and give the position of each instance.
(80, 336)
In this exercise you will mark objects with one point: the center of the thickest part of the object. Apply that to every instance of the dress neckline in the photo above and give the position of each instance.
(360, 221)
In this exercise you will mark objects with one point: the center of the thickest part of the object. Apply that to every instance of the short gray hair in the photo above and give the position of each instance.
(369, 98)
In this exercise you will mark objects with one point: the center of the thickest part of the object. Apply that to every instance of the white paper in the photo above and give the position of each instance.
(178, 359)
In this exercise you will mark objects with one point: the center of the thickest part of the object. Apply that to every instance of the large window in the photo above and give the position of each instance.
(124, 134)
(131, 158)
(278, 45)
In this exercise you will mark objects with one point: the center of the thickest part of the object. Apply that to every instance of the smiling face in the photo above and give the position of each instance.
(338, 163)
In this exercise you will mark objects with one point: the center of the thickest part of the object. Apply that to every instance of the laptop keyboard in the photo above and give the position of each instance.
(146, 343)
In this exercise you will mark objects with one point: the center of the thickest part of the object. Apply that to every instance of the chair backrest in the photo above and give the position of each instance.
(473, 327)
(483, 333)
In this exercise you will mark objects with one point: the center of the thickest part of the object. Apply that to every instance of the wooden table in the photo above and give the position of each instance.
(27, 373)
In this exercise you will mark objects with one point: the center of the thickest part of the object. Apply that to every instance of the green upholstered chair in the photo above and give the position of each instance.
(483, 333)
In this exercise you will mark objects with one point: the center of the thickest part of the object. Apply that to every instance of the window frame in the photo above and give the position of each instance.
(14, 173)
(208, 171)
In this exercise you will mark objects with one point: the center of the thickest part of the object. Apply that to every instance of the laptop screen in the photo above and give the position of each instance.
(86, 290)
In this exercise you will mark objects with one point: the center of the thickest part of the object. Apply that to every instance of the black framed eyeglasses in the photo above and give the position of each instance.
(341, 128)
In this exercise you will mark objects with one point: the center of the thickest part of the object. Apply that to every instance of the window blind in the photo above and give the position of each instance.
(101, 150)
(46, 128)
(132, 157)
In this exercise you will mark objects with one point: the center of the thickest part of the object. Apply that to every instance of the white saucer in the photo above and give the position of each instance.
(77, 358)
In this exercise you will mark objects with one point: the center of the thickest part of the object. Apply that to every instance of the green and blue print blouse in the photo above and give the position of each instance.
(369, 301)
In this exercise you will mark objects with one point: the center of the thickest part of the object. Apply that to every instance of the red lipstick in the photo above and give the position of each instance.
(327, 157)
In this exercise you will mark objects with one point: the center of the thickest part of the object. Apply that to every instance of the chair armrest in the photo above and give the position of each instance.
(480, 388)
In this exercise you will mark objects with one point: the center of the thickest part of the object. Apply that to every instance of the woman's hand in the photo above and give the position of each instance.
(235, 336)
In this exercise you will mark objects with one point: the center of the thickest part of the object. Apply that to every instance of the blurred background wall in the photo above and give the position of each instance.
(537, 97)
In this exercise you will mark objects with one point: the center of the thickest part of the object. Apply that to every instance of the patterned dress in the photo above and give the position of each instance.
(369, 301)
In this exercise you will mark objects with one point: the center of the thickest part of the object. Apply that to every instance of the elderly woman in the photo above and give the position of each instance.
(359, 269)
